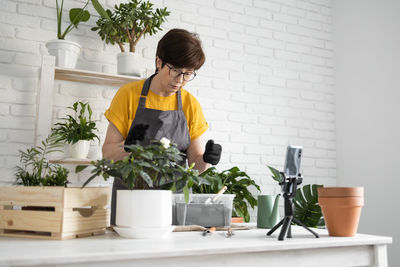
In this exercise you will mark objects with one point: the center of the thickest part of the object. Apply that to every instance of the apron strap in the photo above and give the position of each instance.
(145, 91)
(142, 102)
(179, 100)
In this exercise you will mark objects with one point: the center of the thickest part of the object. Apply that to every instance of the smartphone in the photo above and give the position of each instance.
(292, 161)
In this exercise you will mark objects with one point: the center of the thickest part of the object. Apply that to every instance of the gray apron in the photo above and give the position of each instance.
(171, 124)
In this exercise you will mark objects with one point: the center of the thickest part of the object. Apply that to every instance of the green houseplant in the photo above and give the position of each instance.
(306, 205)
(36, 170)
(66, 52)
(154, 166)
(237, 183)
(127, 23)
(151, 173)
(77, 130)
(76, 16)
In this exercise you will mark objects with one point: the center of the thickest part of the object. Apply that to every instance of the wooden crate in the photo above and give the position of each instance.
(54, 212)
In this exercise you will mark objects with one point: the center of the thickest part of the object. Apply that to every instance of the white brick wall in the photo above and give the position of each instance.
(267, 81)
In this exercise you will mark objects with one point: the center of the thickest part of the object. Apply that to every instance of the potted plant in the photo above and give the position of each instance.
(150, 173)
(305, 202)
(237, 182)
(127, 23)
(36, 170)
(77, 131)
(66, 52)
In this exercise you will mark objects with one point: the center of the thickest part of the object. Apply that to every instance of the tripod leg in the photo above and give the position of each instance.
(285, 226)
(305, 227)
(289, 233)
(275, 227)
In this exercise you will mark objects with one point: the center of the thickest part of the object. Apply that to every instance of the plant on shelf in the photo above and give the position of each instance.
(155, 166)
(36, 170)
(237, 183)
(77, 130)
(127, 23)
(76, 16)
(66, 52)
(305, 202)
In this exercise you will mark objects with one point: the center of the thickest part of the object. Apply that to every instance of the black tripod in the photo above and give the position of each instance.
(289, 187)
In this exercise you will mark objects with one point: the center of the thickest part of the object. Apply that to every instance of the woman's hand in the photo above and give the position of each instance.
(202, 157)
(212, 154)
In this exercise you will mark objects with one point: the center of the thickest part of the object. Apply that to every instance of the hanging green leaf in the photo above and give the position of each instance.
(276, 175)
(99, 8)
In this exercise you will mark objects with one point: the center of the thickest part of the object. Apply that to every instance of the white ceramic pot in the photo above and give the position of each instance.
(66, 52)
(128, 64)
(79, 150)
(144, 213)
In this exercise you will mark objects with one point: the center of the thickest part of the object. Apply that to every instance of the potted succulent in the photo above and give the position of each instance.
(66, 52)
(151, 173)
(77, 131)
(305, 202)
(237, 182)
(127, 23)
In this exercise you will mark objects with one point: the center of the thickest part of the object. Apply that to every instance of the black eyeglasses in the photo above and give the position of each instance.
(175, 73)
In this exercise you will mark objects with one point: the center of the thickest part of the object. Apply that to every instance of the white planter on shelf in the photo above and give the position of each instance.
(144, 213)
(128, 64)
(79, 150)
(66, 52)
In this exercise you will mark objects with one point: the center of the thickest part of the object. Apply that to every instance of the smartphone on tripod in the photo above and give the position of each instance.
(292, 161)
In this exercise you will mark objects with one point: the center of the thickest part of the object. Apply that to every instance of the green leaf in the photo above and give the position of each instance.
(99, 8)
(276, 175)
(306, 205)
(186, 193)
(77, 15)
(90, 179)
(146, 178)
(80, 168)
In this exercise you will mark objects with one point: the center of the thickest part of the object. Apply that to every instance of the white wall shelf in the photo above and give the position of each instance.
(72, 161)
(92, 77)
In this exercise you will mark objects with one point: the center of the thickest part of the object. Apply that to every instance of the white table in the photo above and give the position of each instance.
(245, 248)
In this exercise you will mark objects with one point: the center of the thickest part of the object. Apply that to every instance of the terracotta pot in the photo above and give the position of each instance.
(341, 207)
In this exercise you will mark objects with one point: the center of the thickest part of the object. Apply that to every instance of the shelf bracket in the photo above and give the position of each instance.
(44, 99)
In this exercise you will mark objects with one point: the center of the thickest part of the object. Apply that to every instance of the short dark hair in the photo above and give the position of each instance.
(182, 49)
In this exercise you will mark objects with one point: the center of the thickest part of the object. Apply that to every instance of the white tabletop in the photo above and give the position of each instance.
(111, 247)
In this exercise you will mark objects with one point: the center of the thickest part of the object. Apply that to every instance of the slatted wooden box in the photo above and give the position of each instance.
(54, 212)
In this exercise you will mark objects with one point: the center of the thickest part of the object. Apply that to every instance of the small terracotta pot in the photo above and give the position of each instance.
(341, 207)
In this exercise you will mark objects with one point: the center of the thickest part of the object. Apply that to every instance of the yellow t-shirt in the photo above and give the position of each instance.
(123, 107)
